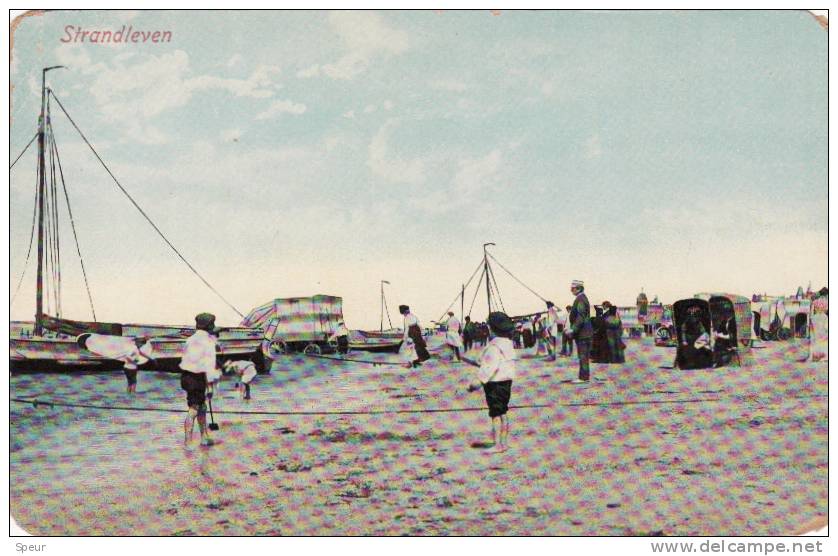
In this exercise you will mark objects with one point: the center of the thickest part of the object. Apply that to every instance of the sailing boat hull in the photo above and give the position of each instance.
(62, 353)
(381, 342)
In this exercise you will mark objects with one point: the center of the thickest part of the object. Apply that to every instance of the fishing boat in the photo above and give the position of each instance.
(49, 342)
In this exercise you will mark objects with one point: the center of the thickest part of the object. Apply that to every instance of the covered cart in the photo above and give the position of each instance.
(305, 324)
(297, 324)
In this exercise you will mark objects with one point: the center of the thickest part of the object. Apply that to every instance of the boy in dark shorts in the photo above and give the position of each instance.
(198, 360)
(495, 375)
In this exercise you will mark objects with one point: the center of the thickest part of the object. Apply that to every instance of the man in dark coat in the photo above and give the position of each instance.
(581, 330)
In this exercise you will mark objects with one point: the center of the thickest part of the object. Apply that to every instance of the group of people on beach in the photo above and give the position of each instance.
(496, 365)
(542, 332)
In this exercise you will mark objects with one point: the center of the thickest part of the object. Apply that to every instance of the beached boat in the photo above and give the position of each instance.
(49, 342)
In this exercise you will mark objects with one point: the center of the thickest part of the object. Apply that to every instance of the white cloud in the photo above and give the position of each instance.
(279, 107)
(154, 85)
(231, 134)
(369, 108)
(350, 114)
(476, 175)
(452, 85)
(234, 60)
(469, 192)
(548, 88)
(392, 168)
(388, 105)
(367, 37)
(592, 147)
(311, 71)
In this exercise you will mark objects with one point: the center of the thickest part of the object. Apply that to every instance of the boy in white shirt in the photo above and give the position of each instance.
(198, 361)
(246, 372)
(495, 375)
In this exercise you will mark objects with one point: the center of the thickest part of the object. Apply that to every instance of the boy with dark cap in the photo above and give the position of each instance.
(199, 359)
(495, 375)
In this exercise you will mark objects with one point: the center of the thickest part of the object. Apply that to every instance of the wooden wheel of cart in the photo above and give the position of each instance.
(312, 349)
(276, 348)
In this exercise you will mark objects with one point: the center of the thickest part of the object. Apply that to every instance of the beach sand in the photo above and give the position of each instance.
(651, 451)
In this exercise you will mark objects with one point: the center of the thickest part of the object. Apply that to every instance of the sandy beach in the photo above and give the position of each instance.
(648, 451)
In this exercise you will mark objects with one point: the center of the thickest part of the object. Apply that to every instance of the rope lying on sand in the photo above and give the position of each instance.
(343, 360)
(37, 402)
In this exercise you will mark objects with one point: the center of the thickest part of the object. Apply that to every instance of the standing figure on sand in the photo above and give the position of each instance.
(551, 329)
(819, 324)
(613, 333)
(495, 375)
(413, 333)
(581, 330)
(567, 340)
(452, 335)
(341, 336)
(469, 331)
(197, 362)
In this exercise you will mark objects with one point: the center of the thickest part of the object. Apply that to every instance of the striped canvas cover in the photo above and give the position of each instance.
(298, 319)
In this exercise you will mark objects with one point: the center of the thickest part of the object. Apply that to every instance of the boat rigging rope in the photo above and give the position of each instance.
(142, 212)
(473, 274)
(387, 309)
(56, 229)
(516, 279)
(339, 360)
(477, 290)
(496, 288)
(72, 221)
(29, 249)
(23, 151)
(53, 259)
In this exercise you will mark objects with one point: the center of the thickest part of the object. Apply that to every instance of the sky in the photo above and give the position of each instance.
(304, 152)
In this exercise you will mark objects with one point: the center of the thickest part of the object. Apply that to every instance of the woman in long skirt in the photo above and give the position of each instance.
(613, 333)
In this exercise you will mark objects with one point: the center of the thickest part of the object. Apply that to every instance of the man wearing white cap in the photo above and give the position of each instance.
(581, 330)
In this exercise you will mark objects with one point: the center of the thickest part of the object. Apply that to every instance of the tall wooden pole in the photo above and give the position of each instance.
(39, 285)
(463, 304)
(486, 273)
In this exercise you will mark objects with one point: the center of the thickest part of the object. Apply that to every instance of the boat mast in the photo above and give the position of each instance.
(39, 292)
(486, 273)
(382, 307)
